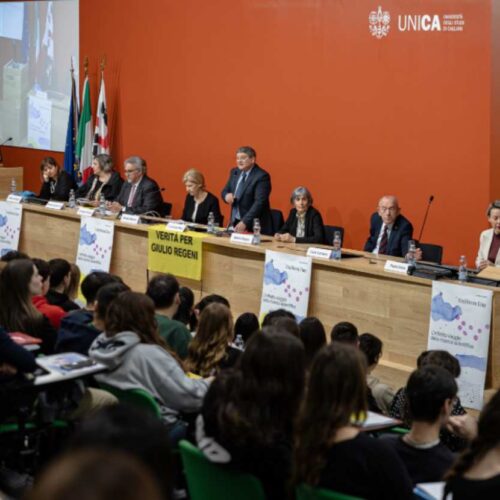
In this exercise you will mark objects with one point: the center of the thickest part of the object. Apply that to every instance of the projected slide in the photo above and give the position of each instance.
(38, 40)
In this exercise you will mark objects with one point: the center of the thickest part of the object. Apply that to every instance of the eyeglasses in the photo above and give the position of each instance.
(387, 209)
(128, 172)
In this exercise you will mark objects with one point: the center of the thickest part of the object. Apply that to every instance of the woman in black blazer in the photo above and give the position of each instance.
(57, 183)
(304, 223)
(199, 202)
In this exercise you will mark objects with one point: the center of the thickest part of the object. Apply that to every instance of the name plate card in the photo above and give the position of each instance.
(319, 253)
(130, 218)
(176, 226)
(396, 267)
(86, 211)
(55, 205)
(14, 198)
(245, 239)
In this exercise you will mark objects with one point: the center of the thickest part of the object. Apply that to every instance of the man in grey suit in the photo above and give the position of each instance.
(247, 191)
(139, 194)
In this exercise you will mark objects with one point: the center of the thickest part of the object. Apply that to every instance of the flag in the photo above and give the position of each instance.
(45, 63)
(84, 138)
(70, 164)
(101, 136)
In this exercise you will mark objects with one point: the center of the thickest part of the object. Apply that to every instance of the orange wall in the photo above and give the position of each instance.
(324, 103)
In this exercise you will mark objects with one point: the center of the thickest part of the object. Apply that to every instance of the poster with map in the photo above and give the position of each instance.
(95, 245)
(287, 280)
(460, 323)
(11, 215)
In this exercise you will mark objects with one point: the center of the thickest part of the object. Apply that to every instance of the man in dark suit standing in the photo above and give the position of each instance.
(139, 194)
(390, 232)
(247, 191)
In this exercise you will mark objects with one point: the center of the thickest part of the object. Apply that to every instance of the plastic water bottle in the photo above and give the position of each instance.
(239, 342)
(72, 199)
(462, 269)
(256, 232)
(337, 246)
(13, 185)
(410, 256)
(102, 205)
(211, 223)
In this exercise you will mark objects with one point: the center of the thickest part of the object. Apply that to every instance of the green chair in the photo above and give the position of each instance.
(306, 492)
(208, 481)
(135, 397)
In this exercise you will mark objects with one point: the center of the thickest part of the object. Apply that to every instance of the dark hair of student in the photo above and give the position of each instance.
(210, 299)
(94, 281)
(162, 289)
(17, 312)
(371, 346)
(440, 358)
(185, 313)
(313, 336)
(213, 336)
(427, 389)
(488, 437)
(96, 475)
(246, 324)
(59, 269)
(272, 316)
(106, 295)
(344, 332)
(43, 268)
(13, 255)
(257, 402)
(336, 394)
(131, 430)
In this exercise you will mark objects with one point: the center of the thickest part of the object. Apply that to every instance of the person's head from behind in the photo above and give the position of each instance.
(272, 316)
(49, 168)
(74, 281)
(135, 312)
(105, 296)
(131, 430)
(60, 274)
(204, 302)
(13, 255)
(440, 358)
(185, 312)
(246, 325)
(96, 475)
(345, 332)
(371, 346)
(93, 282)
(313, 336)
(335, 396)
(430, 391)
(213, 336)
(163, 290)
(44, 271)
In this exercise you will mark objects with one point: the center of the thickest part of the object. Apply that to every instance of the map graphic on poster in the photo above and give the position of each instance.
(10, 226)
(95, 245)
(460, 324)
(286, 284)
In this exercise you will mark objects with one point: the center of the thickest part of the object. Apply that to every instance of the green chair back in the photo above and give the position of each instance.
(208, 481)
(306, 492)
(135, 397)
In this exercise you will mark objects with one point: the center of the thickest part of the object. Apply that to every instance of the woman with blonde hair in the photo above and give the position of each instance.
(211, 350)
(199, 202)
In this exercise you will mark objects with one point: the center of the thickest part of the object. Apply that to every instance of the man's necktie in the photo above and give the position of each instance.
(131, 196)
(382, 248)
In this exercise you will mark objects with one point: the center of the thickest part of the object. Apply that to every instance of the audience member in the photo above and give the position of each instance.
(248, 413)
(163, 290)
(74, 285)
(60, 277)
(210, 351)
(346, 333)
(204, 302)
(272, 316)
(13, 255)
(331, 452)
(104, 297)
(185, 312)
(14, 358)
(430, 391)
(313, 336)
(245, 326)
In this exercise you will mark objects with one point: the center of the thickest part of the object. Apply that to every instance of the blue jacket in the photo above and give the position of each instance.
(77, 332)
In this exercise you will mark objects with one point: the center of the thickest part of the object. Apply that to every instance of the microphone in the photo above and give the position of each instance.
(431, 199)
(3, 144)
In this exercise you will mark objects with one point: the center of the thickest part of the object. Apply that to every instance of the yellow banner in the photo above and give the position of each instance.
(174, 252)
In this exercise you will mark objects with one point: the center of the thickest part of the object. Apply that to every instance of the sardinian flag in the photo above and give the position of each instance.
(101, 137)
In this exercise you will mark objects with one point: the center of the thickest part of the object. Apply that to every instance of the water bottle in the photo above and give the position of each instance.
(102, 205)
(410, 256)
(239, 343)
(211, 223)
(256, 232)
(72, 199)
(337, 246)
(462, 269)
(13, 185)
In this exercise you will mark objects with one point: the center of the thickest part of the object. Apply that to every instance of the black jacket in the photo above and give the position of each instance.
(110, 190)
(209, 204)
(147, 197)
(314, 230)
(57, 189)
(77, 332)
(401, 234)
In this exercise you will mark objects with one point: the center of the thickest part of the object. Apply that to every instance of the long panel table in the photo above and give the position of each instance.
(394, 307)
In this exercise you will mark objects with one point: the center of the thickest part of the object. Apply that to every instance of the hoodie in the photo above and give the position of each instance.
(133, 365)
(77, 332)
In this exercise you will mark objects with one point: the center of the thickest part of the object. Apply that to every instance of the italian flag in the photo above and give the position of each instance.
(84, 138)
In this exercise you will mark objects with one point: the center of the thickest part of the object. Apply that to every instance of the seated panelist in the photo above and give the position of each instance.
(489, 241)
(140, 194)
(56, 182)
(390, 232)
(104, 180)
(304, 223)
(199, 202)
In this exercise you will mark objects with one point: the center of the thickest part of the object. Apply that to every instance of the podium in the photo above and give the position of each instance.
(6, 176)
